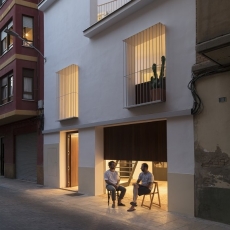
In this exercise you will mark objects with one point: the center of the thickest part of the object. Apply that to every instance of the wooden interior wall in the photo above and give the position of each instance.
(141, 142)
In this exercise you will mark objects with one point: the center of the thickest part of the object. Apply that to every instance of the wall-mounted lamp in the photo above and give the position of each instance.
(13, 33)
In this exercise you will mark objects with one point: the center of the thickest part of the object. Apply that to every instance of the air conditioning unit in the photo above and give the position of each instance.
(40, 104)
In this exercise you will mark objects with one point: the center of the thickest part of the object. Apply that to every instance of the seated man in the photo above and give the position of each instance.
(146, 179)
(112, 180)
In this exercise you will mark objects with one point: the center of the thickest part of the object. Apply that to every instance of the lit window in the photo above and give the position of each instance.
(28, 89)
(144, 67)
(6, 39)
(68, 92)
(6, 88)
(28, 30)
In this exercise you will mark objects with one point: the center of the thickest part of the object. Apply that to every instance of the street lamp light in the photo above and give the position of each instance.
(13, 33)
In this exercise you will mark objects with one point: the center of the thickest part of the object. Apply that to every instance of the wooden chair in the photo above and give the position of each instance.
(154, 191)
(110, 194)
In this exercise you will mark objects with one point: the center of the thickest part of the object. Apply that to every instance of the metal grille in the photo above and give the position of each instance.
(68, 92)
(109, 7)
(141, 51)
(26, 157)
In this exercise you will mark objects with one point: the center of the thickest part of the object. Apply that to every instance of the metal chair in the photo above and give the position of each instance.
(154, 191)
(110, 194)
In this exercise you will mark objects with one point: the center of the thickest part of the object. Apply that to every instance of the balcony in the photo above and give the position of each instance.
(144, 67)
(107, 8)
(110, 17)
(142, 88)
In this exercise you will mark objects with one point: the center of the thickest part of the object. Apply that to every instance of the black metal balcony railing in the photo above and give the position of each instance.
(139, 89)
(109, 7)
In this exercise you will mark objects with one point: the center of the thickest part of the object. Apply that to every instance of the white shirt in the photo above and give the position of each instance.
(112, 177)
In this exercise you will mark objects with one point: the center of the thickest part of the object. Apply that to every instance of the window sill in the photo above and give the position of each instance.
(66, 119)
(143, 104)
(115, 16)
(6, 51)
(6, 103)
(27, 46)
(29, 100)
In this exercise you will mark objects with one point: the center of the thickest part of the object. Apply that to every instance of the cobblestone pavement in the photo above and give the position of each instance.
(28, 206)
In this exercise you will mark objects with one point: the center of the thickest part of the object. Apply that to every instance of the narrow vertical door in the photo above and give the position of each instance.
(72, 159)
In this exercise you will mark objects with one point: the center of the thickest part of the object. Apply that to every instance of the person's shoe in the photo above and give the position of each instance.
(113, 205)
(131, 210)
(133, 204)
(120, 204)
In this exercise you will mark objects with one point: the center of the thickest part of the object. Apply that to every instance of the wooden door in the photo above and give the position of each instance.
(72, 159)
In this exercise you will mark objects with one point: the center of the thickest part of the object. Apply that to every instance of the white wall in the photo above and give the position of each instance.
(100, 59)
(181, 165)
(180, 145)
(100, 62)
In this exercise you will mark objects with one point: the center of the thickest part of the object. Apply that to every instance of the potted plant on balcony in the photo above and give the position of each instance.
(158, 84)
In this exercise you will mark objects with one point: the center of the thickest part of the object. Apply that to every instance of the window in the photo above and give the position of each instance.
(28, 30)
(6, 39)
(6, 88)
(67, 92)
(144, 79)
(28, 79)
(1, 2)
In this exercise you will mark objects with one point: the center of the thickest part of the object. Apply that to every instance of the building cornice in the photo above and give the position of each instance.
(17, 2)
(45, 4)
(18, 56)
(16, 115)
(137, 119)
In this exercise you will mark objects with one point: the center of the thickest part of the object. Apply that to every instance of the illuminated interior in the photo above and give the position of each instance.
(68, 92)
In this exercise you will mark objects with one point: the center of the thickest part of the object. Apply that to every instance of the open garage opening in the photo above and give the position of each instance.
(130, 146)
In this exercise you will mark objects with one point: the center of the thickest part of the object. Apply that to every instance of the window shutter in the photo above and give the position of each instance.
(3, 35)
(27, 22)
(10, 25)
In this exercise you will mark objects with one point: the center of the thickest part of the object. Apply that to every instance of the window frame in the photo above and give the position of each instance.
(67, 93)
(31, 42)
(24, 75)
(2, 2)
(8, 87)
(7, 39)
(143, 53)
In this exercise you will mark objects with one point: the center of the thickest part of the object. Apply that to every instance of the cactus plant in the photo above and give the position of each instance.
(156, 82)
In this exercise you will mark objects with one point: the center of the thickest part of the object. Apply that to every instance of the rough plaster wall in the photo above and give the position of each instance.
(212, 131)
(212, 19)
(212, 149)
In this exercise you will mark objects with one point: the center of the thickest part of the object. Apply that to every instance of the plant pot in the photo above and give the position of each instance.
(158, 94)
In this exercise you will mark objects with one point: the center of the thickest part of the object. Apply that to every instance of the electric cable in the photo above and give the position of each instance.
(197, 102)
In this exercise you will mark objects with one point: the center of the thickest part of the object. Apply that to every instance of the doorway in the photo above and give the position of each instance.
(1, 157)
(72, 159)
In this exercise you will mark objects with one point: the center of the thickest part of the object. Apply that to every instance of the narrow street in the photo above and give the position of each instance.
(29, 206)
(22, 209)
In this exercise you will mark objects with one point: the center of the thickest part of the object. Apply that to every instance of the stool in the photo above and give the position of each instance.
(110, 194)
(154, 191)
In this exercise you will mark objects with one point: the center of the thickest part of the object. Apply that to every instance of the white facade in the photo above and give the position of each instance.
(101, 92)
